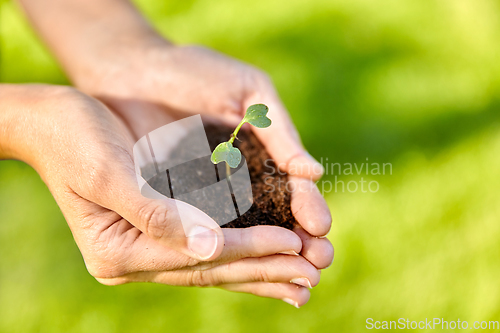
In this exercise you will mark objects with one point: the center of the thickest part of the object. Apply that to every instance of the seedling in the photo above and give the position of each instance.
(225, 152)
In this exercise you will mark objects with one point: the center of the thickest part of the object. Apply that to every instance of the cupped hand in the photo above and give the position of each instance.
(110, 52)
(83, 153)
(307, 204)
(196, 80)
(190, 79)
(149, 83)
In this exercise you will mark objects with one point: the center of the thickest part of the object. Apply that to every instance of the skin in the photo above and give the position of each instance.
(143, 82)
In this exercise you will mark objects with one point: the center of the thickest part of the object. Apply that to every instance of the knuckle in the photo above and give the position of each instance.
(98, 175)
(154, 217)
(261, 274)
(101, 171)
(200, 278)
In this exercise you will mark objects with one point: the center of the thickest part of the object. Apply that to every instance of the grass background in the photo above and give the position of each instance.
(412, 83)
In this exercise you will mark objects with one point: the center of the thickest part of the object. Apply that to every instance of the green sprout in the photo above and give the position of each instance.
(225, 152)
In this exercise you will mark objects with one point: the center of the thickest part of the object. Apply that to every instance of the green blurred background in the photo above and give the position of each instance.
(407, 82)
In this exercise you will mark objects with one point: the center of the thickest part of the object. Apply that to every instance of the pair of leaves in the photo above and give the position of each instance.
(256, 115)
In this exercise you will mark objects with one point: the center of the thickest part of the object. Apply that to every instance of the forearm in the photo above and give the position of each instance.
(79, 31)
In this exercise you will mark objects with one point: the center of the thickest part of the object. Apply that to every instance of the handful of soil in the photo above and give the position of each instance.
(271, 199)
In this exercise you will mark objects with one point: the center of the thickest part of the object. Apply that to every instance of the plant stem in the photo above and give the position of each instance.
(233, 136)
(231, 140)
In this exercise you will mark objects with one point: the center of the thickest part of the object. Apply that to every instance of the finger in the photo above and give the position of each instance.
(276, 268)
(309, 207)
(290, 293)
(318, 251)
(146, 255)
(171, 223)
(258, 241)
(282, 140)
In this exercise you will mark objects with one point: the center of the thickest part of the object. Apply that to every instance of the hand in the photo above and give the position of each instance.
(110, 51)
(196, 80)
(149, 84)
(83, 153)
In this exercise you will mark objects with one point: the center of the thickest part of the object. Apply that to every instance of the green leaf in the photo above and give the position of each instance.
(227, 153)
(256, 115)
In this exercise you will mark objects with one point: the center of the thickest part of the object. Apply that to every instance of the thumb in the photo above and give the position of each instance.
(170, 222)
(282, 140)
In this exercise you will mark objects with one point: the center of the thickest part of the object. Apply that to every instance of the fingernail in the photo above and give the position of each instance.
(291, 252)
(304, 282)
(291, 302)
(202, 241)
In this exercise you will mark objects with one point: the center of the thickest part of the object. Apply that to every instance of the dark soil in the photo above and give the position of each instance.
(271, 204)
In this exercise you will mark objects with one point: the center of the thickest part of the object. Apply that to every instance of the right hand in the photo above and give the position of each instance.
(83, 153)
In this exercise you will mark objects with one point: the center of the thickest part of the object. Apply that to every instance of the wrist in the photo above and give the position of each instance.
(24, 113)
(13, 114)
(114, 56)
